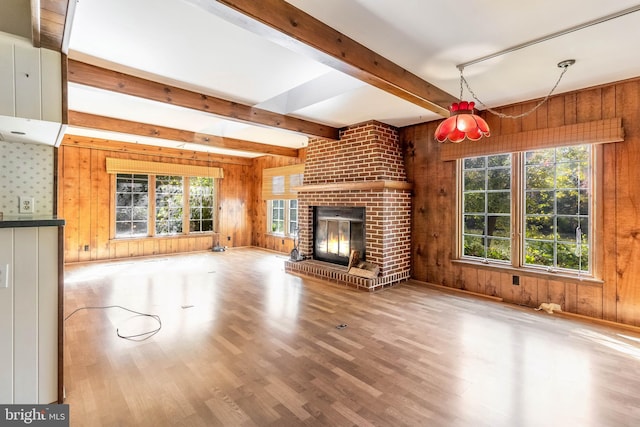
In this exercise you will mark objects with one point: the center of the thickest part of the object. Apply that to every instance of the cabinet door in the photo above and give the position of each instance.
(25, 303)
(6, 315)
(7, 88)
(28, 95)
(51, 74)
(47, 314)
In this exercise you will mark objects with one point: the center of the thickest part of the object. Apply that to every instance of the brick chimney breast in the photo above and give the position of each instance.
(364, 168)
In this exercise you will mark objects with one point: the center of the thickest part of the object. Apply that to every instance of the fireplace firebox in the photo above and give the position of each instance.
(338, 231)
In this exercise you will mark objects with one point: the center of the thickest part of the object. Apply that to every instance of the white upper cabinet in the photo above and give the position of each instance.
(30, 91)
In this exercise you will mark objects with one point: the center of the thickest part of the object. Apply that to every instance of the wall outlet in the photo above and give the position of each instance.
(26, 205)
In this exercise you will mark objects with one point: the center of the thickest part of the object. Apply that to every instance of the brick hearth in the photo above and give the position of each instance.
(363, 168)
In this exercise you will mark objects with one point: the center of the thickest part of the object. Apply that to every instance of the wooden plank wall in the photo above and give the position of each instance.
(434, 203)
(84, 201)
(260, 237)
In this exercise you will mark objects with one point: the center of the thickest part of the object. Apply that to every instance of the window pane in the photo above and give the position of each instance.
(487, 207)
(124, 199)
(540, 157)
(169, 200)
(474, 246)
(140, 228)
(201, 202)
(540, 202)
(474, 202)
(573, 153)
(569, 175)
(568, 225)
(293, 218)
(474, 180)
(560, 206)
(475, 162)
(140, 213)
(123, 214)
(499, 249)
(123, 228)
(567, 202)
(132, 205)
(474, 224)
(540, 227)
(539, 253)
(499, 202)
(295, 180)
(500, 160)
(570, 257)
(499, 226)
(277, 185)
(499, 179)
(277, 216)
(542, 177)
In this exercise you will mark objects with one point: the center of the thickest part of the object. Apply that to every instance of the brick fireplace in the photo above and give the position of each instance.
(364, 168)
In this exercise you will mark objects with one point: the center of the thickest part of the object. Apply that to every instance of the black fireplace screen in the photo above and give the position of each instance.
(338, 231)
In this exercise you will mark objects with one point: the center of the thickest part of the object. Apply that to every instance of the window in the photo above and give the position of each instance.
(279, 190)
(132, 205)
(538, 217)
(163, 205)
(557, 200)
(201, 204)
(293, 217)
(277, 216)
(487, 207)
(282, 217)
(169, 204)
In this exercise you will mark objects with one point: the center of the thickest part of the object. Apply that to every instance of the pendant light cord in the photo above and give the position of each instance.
(564, 65)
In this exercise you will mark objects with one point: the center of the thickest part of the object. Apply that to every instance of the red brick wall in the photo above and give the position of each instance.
(367, 152)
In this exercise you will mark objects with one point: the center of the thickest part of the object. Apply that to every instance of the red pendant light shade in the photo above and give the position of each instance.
(462, 124)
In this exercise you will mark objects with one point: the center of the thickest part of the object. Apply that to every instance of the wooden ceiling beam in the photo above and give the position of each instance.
(102, 78)
(35, 22)
(110, 124)
(149, 150)
(289, 26)
(53, 16)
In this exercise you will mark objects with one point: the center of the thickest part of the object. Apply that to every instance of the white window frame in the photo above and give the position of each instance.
(287, 232)
(518, 210)
(131, 207)
(172, 206)
(151, 209)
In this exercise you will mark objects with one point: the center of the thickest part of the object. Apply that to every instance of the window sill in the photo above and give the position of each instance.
(531, 272)
(279, 236)
(165, 237)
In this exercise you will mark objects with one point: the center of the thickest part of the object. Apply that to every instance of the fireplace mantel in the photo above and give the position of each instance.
(358, 185)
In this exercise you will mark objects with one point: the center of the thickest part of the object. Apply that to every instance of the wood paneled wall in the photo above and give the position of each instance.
(259, 236)
(434, 202)
(84, 200)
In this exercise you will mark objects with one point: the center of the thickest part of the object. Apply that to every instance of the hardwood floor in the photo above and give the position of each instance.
(244, 344)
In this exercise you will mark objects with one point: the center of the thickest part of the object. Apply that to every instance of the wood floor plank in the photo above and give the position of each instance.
(244, 344)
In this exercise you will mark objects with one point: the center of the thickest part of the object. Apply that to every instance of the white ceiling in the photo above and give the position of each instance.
(177, 43)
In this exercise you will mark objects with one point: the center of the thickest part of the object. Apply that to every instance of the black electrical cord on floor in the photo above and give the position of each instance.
(142, 336)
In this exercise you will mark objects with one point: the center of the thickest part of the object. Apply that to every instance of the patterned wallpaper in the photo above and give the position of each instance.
(26, 170)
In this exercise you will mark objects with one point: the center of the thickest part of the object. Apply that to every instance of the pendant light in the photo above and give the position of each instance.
(463, 123)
